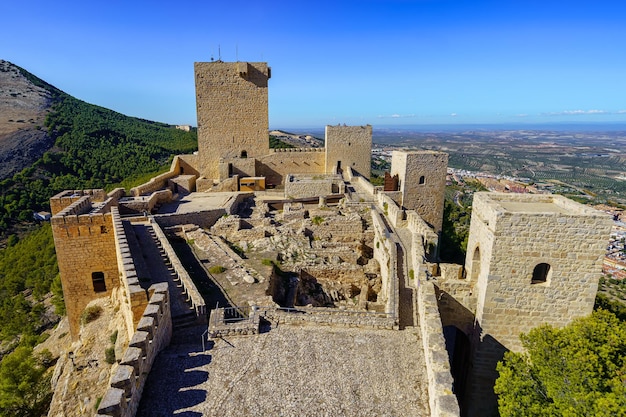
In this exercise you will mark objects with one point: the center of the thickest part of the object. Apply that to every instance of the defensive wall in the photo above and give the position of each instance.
(153, 334)
(136, 298)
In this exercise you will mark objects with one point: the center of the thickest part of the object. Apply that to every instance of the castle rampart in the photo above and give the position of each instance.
(153, 334)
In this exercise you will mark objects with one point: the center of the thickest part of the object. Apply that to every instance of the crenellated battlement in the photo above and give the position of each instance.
(153, 334)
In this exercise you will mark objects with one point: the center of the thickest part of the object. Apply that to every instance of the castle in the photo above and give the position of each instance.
(521, 268)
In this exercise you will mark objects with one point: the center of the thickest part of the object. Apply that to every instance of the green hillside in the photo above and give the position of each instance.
(93, 148)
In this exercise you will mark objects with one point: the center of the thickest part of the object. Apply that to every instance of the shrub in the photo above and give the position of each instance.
(217, 269)
(267, 262)
(411, 274)
(109, 354)
(90, 314)
(317, 220)
(113, 337)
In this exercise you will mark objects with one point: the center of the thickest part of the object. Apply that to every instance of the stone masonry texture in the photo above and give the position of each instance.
(351, 146)
(510, 234)
(232, 108)
(422, 181)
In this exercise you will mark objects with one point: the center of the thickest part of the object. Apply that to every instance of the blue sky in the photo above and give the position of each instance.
(354, 62)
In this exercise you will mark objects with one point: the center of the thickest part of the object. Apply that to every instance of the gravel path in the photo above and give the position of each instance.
(293, 371)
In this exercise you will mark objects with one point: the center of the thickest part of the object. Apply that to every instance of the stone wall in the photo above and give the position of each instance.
(144, 204)
(443, 402)
(65, 198)
(189, 291)
(181, 165)
(308, 187)
(136, 298)
(280, 162)
(392, 212)
(422, 180)
(386, 254)
(232, 108)
(86, 254)
(349, 146)
(153, 334)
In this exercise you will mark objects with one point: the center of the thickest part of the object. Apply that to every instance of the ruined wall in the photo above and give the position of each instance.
(386, 254)
(422, 178)
(63, 199)
(86, 254)
(154, 332)
(302, 187)
(181, 165)
(280, 162)
(349, 146)
(232, 108)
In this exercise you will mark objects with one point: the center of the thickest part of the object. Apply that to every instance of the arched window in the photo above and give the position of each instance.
(244, 154)
(422, 180)
(97, 278)
(541, 273)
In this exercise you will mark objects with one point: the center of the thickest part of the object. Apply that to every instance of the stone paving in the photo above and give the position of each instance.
(292, 371)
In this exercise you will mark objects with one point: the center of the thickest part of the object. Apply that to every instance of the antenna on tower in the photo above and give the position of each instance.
(219, 52)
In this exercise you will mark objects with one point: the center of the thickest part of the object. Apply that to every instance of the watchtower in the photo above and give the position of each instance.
(232, 109)
(422, 183)
(84, 241)
(534, 259)
(349, 146)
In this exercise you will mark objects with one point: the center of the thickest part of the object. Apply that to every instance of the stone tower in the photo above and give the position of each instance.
(85, 245)
(533, 260)
(232, 109)
(422, 183)
(349, 146)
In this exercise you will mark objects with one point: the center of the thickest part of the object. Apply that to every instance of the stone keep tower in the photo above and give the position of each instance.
(232, 109)
(349, 146)
(422, 183)
(532, 259)
(84, 241)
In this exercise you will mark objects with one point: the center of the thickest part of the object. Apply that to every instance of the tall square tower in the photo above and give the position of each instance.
(533, 260)
(536, 259)
(232, 109)
(422, 183)
(349, 146)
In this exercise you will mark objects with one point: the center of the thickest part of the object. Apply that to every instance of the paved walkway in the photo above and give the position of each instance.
(292, 371)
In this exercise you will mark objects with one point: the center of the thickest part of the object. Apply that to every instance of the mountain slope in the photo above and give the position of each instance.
(23, 109)
(78, 145)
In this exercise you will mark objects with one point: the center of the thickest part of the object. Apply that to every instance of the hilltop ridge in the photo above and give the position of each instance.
(24, 104)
